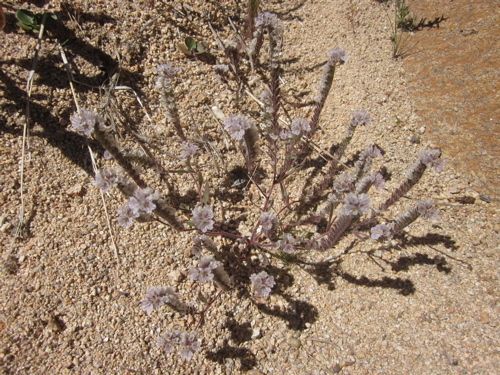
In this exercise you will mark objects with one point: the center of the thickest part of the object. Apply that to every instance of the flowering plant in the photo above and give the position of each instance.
(331, 206)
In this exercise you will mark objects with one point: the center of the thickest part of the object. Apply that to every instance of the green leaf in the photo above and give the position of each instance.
(190, 43)
(25, 27)
(26, 17)
(202, 298)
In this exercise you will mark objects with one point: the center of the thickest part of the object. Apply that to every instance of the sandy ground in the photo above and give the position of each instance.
(70, 300)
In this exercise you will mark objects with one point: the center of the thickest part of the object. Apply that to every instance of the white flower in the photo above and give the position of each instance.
(169, 340)
(155, 297)
(338, 56)
(267, 221)
(345, 183)
(426, 210)
(189, 344)
(202, 218)
(382, 230)
(287, 243)
(142, 201)
(262, 283)
(300, 126)
(125, 215)
(431, 159)
(236, 125)
(105, 179)
(204, 270)
(187, 341)
(360, 118)
(85, 121)
(188, 150)
(357, 204)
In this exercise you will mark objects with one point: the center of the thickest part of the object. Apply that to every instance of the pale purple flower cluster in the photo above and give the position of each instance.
(300, 126)
(169, 340)
(338, 56)
(378, 181)
(374, 179)
(125, 216)
(267, 221)
(105, 179)
(426, 210)
(287, 244)
(85, 121)
(203, 218)
(382, 230)
(262, 283)
(168, 70)
(344, 183)
(286, 134)
(188, 150)
(431, 159)
(236, 125)
(204, 271)
(188, 343)
(361, 117)
(268, 19)
(373, 152)
(157, 296)
(356, 204)
(141, 202)
(204, 241)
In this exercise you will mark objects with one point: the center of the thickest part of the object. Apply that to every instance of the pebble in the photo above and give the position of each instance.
(485, 198)
(256, 333)
(455, 189)
(76, 190)
(294, 342)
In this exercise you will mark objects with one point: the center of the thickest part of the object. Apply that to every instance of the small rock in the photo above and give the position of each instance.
(485, 198)
(188, 252)
(56, 324)
(218, 113)
(455, 189)
(176, 276)
(415, 139)
(294, 343)
(76, 191)
(11, 265)
(5, 227)
(256, 333)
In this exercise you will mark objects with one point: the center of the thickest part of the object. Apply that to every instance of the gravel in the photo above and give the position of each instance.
(69, 305)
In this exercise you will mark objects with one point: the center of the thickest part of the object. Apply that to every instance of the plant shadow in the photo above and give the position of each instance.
(325, 272)
(297, 313)
(246, 357)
